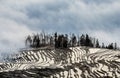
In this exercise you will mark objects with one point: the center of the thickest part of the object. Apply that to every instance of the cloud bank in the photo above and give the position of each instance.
(19, 18)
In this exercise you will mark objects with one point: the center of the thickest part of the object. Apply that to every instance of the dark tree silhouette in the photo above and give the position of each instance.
(37, 41)
(34, 41)
(63, 41)
(51, 40)
(90, 44)
(97, 44)
(56, 40)
(82, 40)
(65, 44)
(110, 46)
(87, 41)
(74, 40)
(59, 41)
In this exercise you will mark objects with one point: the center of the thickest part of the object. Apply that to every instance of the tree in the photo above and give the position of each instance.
(74, 40)
(56, 41)
(91, 44)
(59, 44)
(38, 41)
(34, 41)
(28, 41)
(51, 40)
(115, 46)
(87, 41)
(82, 40)
(97, 44)
(110, 46)
(65, 45)
(103, 46)
(94, 42)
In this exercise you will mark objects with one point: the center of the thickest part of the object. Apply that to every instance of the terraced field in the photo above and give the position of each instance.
(76, 62)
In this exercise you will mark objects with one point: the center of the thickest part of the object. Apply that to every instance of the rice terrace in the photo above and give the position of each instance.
(59, 38)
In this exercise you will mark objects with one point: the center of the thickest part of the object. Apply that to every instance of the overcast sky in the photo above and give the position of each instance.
(18, 18)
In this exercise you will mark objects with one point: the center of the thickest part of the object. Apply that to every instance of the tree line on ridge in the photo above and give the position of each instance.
(64, 41)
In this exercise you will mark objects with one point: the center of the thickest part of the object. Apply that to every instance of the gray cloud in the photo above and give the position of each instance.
(95, 17)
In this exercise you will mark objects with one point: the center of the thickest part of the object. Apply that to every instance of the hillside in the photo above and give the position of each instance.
(75, 62)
